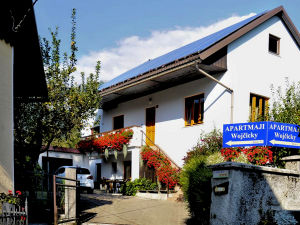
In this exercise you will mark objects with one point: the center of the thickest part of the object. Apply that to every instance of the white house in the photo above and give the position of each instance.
(171, 99)
(59, 156)
(21, 76)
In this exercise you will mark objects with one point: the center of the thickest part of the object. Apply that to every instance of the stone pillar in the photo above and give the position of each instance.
(292, 162)
(70, 193)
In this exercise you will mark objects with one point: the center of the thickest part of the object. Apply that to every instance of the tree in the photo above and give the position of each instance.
(67, 110)
(285, 109)
(286, 106)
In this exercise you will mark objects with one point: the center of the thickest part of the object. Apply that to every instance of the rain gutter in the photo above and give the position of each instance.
(219, 82)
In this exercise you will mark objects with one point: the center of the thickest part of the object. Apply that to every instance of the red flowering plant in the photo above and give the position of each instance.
(230, 154)
(86, 144)
(11, 198)
(162, 166)
(110, 141)
(258, 155)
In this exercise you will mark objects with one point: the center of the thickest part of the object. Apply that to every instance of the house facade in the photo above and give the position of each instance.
(225, 77)
(21, 78)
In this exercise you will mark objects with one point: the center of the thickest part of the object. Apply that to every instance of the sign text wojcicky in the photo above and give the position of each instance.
(261, 134)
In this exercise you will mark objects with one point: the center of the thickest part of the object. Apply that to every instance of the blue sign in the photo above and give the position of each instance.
(261, 134)
(245, 134)
(283, 135)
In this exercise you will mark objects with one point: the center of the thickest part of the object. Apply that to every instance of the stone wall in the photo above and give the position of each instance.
(248, 194)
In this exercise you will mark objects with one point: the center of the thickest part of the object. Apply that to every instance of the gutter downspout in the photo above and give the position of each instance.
(226, 87)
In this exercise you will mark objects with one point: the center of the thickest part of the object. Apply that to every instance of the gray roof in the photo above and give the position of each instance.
(182, 52)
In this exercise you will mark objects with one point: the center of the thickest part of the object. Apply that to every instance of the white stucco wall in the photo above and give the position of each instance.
(6, 117)
(79, 160)
(92, 165)
(251, 68)
(106, 166)
(170, 131)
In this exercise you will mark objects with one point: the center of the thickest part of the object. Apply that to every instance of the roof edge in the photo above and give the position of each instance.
(280, 11)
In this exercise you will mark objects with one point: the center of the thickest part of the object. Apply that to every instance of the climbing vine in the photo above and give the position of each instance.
(162, 166)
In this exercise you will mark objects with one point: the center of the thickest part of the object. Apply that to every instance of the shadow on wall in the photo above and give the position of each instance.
(248, 194)
(5, 181)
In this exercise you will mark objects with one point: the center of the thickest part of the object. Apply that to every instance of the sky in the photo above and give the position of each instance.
(125, 33)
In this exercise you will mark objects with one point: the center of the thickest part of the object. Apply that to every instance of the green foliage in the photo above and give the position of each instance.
(195, 180)
(10, 198)
(215, 158)
(69, 106)
(286, 105)
(131, 187)
(195, 175)
(68, 142)
(208, 144)
(285, 109)
(67, 110)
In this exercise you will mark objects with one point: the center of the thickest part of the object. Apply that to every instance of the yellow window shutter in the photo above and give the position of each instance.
(253, 109)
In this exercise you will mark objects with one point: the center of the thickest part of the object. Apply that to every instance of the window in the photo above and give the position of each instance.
(258, 108)
(83, 171)
(194, 110)
(61, 170)
(118, 122)
(274, 44)
(95, 130)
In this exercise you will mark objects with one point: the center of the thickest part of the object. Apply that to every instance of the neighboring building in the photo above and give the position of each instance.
(59, 156)
(21, 76)
(171, 102)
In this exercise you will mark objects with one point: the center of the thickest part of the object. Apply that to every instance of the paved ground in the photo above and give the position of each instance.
(117, 209)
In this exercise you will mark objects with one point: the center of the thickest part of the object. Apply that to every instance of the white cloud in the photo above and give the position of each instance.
(134, 50)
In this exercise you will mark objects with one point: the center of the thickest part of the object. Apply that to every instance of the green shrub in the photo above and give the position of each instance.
(195, 177)
(196, 185)
(131, 187)
(208, 144)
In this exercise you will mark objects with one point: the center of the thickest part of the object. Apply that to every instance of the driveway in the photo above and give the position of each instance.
(117, 209)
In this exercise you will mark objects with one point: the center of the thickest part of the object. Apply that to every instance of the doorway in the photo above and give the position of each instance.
(150, 126)
(98, 172)
(127, 170)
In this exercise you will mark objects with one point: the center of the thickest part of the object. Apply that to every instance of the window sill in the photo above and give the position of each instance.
(275, 54)
(186, 126)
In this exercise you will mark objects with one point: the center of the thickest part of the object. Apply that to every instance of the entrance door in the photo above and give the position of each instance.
(98, 168)
(127, 170)
(150, 126)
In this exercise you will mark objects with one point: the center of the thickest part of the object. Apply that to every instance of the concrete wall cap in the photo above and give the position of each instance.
(291, 158)
(262, 169)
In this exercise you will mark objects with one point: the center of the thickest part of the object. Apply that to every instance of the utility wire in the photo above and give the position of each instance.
(16, 28)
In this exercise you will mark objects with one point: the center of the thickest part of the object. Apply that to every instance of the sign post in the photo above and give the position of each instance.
(261, 134)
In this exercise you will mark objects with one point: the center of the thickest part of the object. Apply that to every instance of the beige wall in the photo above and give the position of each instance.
(6, 117)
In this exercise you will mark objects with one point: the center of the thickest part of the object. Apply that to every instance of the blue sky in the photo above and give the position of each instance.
(125, 33)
